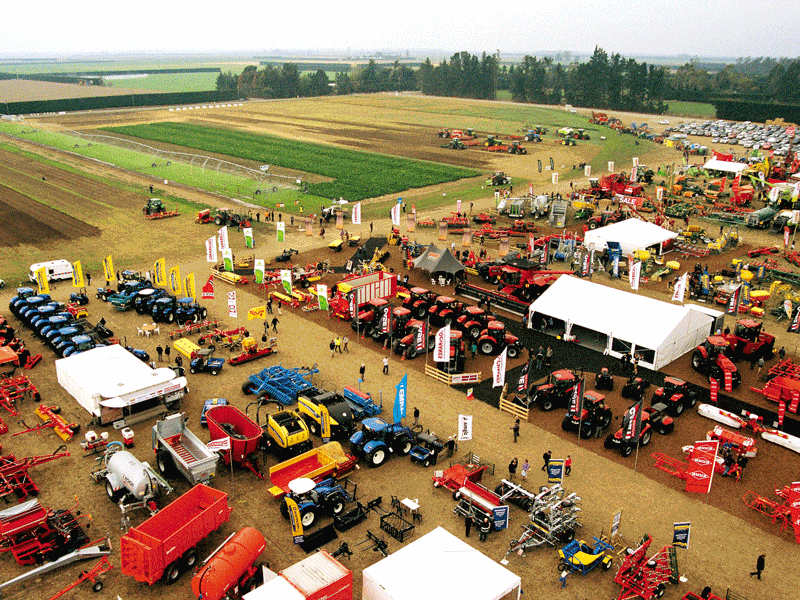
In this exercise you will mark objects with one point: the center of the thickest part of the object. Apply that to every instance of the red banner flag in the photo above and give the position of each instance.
(208, 289)
(795, 400)
(714, 389)
(701, 466)
(781, 413)
(728, 381)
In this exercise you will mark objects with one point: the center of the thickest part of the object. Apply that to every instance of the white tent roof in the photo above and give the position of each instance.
(724, 165)
(632, 234)
(438, 565)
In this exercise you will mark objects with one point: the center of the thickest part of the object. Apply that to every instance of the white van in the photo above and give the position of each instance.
(56, 269)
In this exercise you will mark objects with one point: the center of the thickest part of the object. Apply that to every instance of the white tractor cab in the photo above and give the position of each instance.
(56, 270)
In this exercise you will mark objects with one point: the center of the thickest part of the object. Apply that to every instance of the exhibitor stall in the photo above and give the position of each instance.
(631, 234)
(616, 322)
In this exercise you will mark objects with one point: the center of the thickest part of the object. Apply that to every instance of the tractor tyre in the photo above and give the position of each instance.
(608, 444)
(586, 431)
(406, 448)
(377, 457)
(447, 321)
(626, 449)
(308, 518)
(605, 420)
(659, 591)
(172, 573)
(337, 505)
(170, 317)
(192, 370)
(421, 312)
(305, 283)
(592, 225)
(195, 318)
(566, 423)
(607, 565)
(97, 587)
(547, 404)
(697, 361)
(486, 347)
(411, 352)
(426, 463)
(217, 221)
(203, 313)
(562, 566)
(474, 332)
(165, 463)
(646, 436)
(678, 408)
(566, 536)
(313, 427)
(214, 372)
(692, 399)
(513, 352)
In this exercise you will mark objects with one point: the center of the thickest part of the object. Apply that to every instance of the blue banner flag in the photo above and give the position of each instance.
(555, 471)
(400, 399)
(680, 534)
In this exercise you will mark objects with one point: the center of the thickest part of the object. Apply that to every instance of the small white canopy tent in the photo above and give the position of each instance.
(632, 234)
(439, 565)
(725, 165)
(658, 331)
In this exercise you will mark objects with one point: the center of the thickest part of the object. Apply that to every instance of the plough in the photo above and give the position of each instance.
(784, 513)
(553, 519)
(14, 478)
(191, 328)
(17, 388)
(647, 578)
(52, 419)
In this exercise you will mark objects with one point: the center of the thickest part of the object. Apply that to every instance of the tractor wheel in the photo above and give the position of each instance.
(697, 361)
(217, 221)
(426, 463)
(406, 448)
(192, 370)
(659, 591)
(172, 574)
(566, 423)
(113, 495)
(513, 352)
(421, 312)
(308, 517)
(337, 505)
(592, 225)
(586, 431)
(646, 436)
(313, 427)
(626, 449)
(447, 321)
(195, 317)
(305, 283)
(377, 457)
(411, 352)
(474, 332)
(678, 408)
(203, 313)
(566, 536)
(547, 404)
(562, 566)
(605, 420)
(692, 399)
(171, 317)
(189, 559)
(248, 387)
(486, 347)
(214, 371)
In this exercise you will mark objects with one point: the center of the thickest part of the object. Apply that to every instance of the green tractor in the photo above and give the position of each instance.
(155, 209)
(455, 144)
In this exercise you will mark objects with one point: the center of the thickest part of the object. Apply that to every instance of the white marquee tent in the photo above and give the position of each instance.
(439, 565)
(619, 321)
(632, 234)
(725, 165)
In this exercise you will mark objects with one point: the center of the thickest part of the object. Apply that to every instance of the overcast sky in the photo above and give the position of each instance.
(723, 28)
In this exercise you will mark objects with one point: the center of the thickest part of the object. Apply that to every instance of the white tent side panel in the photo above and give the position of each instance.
(372, 590)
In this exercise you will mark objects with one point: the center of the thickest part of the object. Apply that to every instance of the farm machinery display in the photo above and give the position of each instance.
(494, 339)
(625, 439)
(248, 441)
(178, 310)
(179, 450)
(676, 395)
(344, 410)
(328, 460)
(204, 361)
(417, 340)
(316, 500)
(377, 440)
(579, 557)
(472, 321)
(419, 301)
(251, 350)
(224, 216)
(786, 513)
(445, 310)
(555, 391)
(553, 520)
(646, 577)
(155, 209)
(280, 383)
(588, 416)
(481, 505)
(15, 481)
(430, 449)
(231, 571)
(498, 178)
(711, 359)
(748, 341)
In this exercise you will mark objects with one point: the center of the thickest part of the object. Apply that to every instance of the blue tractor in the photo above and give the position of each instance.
(126, 296)
(20, 299)
(377, 439)
(144, 300)
(78, 344)
(204, 362)
(178, 310)
(316, 500)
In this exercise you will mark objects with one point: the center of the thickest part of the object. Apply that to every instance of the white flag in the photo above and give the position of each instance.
(356, 213)
(222, 238)
(396, 215)
(587, 171)
(680, 288)
(796, 191)
(634, 272)
(220, 444)
(499, 369)
(611, 165)
(458, 206)
(464, 428)
(442, 351)
(286, 280)
(232, 312)
(554, 178)
(635, 161)
(281, 231)
(211, 250)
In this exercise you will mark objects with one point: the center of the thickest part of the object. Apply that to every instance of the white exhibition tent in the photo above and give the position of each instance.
(439, 565)
(631, 234)
(727, 166)
(659, 332)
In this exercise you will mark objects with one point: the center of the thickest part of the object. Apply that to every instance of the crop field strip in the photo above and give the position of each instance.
(358, 175)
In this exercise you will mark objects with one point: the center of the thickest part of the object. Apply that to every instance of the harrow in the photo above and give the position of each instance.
(785, 513)
(14, 478)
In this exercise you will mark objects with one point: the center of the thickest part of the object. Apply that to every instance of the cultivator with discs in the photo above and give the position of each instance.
(646, 578)
(553, 518)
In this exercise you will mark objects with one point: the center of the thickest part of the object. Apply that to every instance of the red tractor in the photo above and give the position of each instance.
(473, 320)
(676, 395)
(368, 318)
(458, 354)
(624, 439)
(711, 359)
(407, 345)
(557, 390)
(605, 218)
(750, 342)
(400, 319)
(419, 301)
(445, 310)
(594, 415)
(494, 338)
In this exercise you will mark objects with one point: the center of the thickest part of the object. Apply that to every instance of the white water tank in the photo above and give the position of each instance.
(131, 472)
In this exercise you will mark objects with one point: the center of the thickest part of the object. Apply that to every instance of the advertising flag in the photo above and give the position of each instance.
(635, 272)
(555, 470)
(441, 352)
(660, 194)
(175, 280)
(680, 288)
(733, 302)
(223, 443)
(442, 230)
(296, 521)
(281, 229)
(634, 171)
(340, 220)
(386, 319)
(587, 171)
(632, 422)
(422, 337)
(499, 369)
(399, 410)
(227, 259)
(211, 250)
(554, 178)
(794, 327)
(160, 271)
(701, 466)
(257, 312)
(222, 238)
(458, 206)
(522, 384)
(411, 222)
(773, 194)
(796, 191)
(466, 239)
(248, 237)
(41, 280)
(188, 285)
(108, 269)
(208, 289)
(470, 395)
(713, 390)
(552, 164)
(309, 226)
(322, 296)
(232, 310)
(785, 236)
(505, 244)
(356, 216)
(464, 428)
(680, 534)
(576, 401)
(611, 165)
(77, 274)
(324, 424)
(395, 213)
(286, 281)
(259, 270)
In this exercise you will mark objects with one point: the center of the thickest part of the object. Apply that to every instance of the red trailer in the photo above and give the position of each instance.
(246, 435)
(165, 544)
(231, 570)
(354, 292)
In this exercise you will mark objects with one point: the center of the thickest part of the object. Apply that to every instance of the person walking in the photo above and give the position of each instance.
(166, 352)
(275, 324)
(178, 361)
(258, 217)
(512, 468)
(568, 465)
(370, 228)
(159, 351)
(279, 307)
(546, 458)
(526, 466)
(416, 416)
(345, 339)
(635, 364)
(338, 344)
(759, 565)
(781, 352)
(548, 357)
(515, 429)
(473, 348)
(89, 283)
(760, 364)
(361, 371)
(333, 348)
(269, 305)
(385, 365)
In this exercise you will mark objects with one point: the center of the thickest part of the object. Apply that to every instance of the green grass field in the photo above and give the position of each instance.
(701, 110)
(168, 82)
(356, 175)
